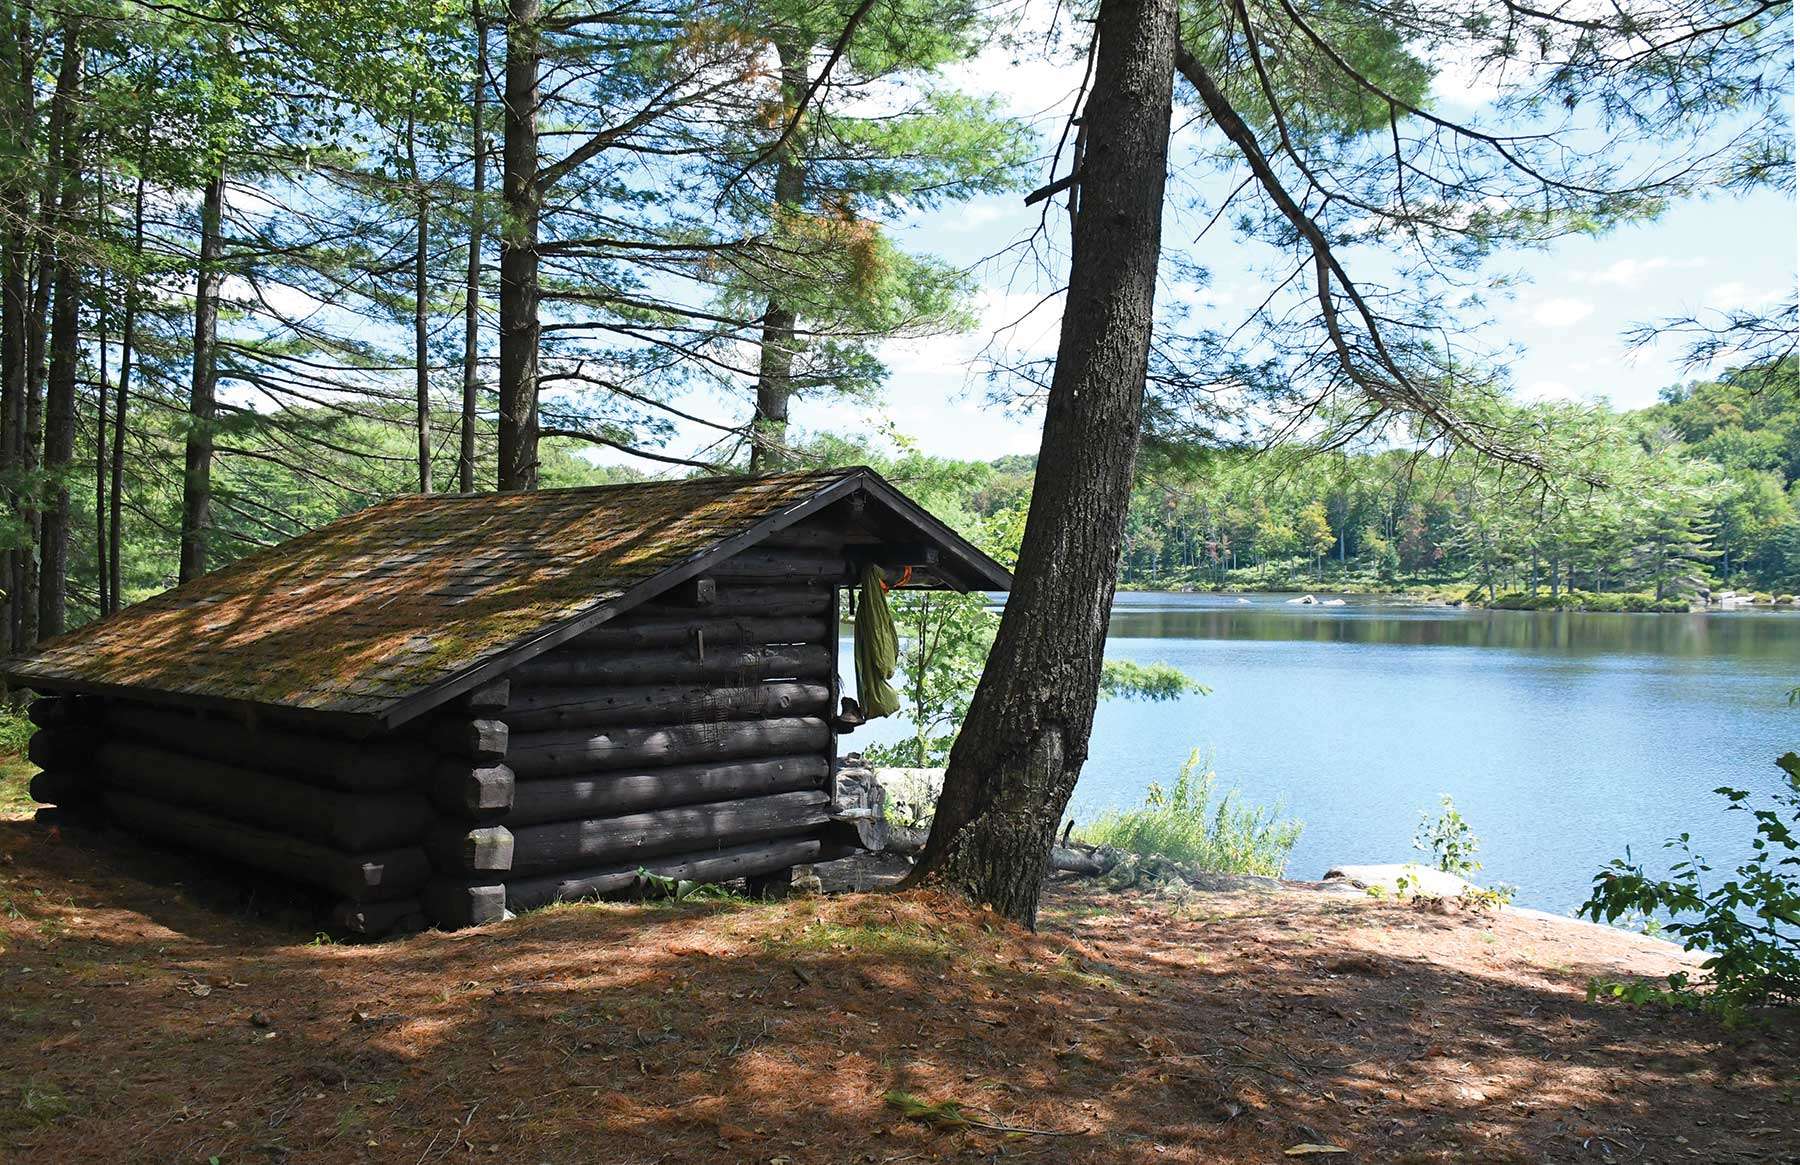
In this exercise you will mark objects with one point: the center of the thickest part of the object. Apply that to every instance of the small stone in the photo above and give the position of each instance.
(260, 1019)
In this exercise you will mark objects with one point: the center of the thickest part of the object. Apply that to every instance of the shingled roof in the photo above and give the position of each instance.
(392, 610)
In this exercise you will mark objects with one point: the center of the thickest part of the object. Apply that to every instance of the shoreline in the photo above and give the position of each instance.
(1585, 603)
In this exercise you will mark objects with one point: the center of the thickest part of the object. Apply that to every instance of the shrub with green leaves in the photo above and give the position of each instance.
(1747, 921)
(1185, 823)
(1449, 839)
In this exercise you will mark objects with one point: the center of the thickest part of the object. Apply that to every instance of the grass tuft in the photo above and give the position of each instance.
(1186, 824)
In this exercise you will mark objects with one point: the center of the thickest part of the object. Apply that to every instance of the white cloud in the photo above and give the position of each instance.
(1737, 296)
(1633, 272)
(1561, 312)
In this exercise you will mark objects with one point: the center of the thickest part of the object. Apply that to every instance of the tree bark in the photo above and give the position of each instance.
(471, 372)
(15, 304)
(65, 341)
(102, 391)
(127, 351)
(421, 306)
(1021, 749)
(774, 375)
(196, 492)
(518, 251)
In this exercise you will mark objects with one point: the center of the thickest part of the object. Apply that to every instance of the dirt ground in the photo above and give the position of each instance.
(156, 1009)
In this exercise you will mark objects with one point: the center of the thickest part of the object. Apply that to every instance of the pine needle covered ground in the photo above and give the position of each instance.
(149, 1021)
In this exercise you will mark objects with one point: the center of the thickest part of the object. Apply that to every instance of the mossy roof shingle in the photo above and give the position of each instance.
(397, 599)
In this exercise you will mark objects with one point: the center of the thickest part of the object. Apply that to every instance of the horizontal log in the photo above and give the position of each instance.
(612, 794)
(489, 698)
(780, 564)
(51, 711)
(628, 669)
(588, 750)
(456, 848)
(360, 766)
(539, 709)
(472, 790)
(711, 866)
(477, 739)
(400, 916)
(66, 747)
(363, 877)
(817, 535)
(574, 844)
(346, 821)
(64, 787)
(701, 634)
(452, 904)
(694, 592)
(772, 602)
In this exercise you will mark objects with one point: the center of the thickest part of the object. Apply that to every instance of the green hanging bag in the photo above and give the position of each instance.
(877, 648)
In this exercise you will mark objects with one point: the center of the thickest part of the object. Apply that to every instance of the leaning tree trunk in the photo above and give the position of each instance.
(471, 371)
(1022, 746)
(775, 371)
(196, 490)
(65, 343)
(518, 251)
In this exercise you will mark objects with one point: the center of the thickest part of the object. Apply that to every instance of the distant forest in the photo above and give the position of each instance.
(1700, 491)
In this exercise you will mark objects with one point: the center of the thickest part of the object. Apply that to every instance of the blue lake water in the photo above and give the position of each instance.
(1564, 738)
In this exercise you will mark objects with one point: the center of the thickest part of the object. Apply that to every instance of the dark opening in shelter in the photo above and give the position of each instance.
(453, 705)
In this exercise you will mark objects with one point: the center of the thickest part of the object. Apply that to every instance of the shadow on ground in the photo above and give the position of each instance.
(146, 1021)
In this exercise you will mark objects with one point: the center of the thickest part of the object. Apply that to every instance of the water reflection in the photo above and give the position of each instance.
(1748, 634)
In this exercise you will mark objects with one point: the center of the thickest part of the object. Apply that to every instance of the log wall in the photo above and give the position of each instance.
(691, 737)
(344, 816)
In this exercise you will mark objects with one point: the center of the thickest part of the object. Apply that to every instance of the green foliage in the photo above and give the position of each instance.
(1676, 992)
(1187, 824)
(1696, 491)
(1589, 601)
(15, 732)
(1121, 679)
(1449, 840)
(1747, 922)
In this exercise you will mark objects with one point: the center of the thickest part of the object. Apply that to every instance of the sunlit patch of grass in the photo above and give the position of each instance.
(1071, 970)
(15, 780)
(895, 940)
(1186, 824)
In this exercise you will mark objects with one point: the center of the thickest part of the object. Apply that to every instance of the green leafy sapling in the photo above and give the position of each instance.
(1748, 922)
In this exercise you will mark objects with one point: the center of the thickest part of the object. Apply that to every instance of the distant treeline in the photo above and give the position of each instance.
(1696, 491)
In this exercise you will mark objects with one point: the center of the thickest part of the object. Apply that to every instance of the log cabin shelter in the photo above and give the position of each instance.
(444, 707)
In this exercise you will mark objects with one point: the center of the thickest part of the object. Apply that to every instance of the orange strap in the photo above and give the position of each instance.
(905, 577)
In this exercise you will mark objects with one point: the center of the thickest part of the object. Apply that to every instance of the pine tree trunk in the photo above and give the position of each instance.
(15, 303)
(518, 252)
(421, 307)
(471, 372)
(102, 390)
(65, 342)
(127, 342)
(1022, 746)
(774, 376)
(196, 492)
